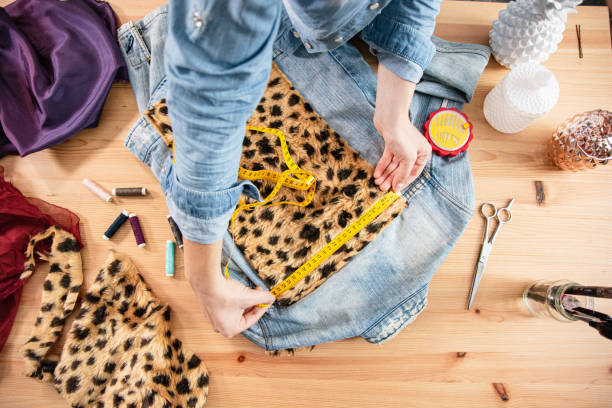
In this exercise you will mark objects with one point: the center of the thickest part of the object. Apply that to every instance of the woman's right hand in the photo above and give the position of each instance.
(230, 306)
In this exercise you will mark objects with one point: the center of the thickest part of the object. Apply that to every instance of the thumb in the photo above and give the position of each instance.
(258, 296)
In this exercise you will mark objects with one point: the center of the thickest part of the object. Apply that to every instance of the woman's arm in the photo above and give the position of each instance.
(218, 57)
(401, 39)
(406, 150)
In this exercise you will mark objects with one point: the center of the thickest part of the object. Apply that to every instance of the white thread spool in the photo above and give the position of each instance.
(97, 190)
(526, 93)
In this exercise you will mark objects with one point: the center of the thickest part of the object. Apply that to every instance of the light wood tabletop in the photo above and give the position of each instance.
(494, 355)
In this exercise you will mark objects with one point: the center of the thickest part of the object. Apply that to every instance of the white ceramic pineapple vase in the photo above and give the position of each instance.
(529, 30)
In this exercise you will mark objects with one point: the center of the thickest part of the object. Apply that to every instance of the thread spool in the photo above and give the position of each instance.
(115, 225)
(178, 235)
(169, 258)
(525, 94)
(135, 223)
(97, 190)
(129, 191)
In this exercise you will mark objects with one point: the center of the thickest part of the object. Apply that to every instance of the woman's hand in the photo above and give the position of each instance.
(406, 149)
(230, 306)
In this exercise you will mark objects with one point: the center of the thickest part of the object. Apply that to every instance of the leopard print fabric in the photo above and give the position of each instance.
(60, 292)
(277, 240)
(120, 351)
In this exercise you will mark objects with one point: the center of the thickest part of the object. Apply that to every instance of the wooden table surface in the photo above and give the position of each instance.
(493, 355)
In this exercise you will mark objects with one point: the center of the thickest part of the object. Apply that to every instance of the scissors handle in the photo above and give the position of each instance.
(500, 221)
(507, 213)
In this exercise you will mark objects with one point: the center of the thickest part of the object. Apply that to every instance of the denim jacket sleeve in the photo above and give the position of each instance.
(400, 36)
(217, 60)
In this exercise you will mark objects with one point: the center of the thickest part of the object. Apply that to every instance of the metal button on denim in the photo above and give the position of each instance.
(197, 20)
(338, 39)
(296, 35)
(307, 45)
(373, 6)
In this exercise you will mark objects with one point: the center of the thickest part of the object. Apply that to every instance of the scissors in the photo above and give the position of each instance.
(488, 211)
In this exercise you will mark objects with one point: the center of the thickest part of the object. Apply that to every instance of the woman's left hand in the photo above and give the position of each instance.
(406, 149)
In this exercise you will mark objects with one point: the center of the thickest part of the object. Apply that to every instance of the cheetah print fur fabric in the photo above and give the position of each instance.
(277, 240)
(60, 292)
(120, 351)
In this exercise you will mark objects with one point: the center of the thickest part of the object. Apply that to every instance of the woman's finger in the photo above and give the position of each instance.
(384, 161)
(401, 177)
(251, 317)
(388, 171)
(419, 165)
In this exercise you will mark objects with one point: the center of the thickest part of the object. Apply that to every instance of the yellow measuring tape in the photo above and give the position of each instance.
(329, 249)
(302, 180)
(305, 181)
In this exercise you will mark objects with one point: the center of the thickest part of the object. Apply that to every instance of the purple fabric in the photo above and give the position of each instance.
(58, 60)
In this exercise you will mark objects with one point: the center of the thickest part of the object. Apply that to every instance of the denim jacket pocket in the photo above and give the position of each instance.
(134, 45)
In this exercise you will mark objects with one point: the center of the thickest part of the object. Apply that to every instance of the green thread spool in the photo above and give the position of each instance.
(169, 258)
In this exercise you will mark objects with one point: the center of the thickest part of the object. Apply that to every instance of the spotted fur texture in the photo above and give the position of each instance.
(278, 240)
(60, 292)
(290, 352)
(157, 116)
(120, 351)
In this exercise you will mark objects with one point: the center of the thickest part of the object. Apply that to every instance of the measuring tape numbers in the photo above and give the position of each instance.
(296, 178)
(328, 250)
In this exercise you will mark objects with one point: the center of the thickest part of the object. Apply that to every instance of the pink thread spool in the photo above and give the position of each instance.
(97, 190)
(137, 230)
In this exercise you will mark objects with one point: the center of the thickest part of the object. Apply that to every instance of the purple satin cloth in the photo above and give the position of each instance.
(58, 60)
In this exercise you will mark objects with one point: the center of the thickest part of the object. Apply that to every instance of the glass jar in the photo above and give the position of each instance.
(549, 299)
(583, 141)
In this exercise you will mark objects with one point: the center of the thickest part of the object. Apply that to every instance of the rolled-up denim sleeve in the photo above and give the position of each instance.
(400, 36)
(218, 56)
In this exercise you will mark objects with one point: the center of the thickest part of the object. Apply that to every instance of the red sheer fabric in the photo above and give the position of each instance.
(21, 218)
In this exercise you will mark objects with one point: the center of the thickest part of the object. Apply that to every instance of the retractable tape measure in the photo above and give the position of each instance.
(448, 131)
(296, 178)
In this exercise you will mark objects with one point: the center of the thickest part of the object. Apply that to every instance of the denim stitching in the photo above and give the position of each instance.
(265, 330)
(151, 20)
(446, 194)
(393, 309)
(350, 74)
(418, 309)
(128, 140)
(416, 186)
(159, 85)
(478, 51)
(136, 33)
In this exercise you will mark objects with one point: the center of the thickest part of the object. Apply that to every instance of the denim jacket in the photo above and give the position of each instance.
(217, 62)
(384, 287)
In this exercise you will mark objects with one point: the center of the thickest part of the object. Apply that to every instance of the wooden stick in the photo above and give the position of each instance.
(579, 35)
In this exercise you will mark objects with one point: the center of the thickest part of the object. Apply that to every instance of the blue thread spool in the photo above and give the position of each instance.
(115, 225)
(135, 223)
(178, 236)
(169, 258)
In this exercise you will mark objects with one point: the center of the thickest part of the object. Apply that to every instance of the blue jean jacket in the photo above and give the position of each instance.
(218, 61)
(384, 287)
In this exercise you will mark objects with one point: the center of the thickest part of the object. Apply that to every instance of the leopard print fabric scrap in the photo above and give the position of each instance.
(120, 351)
(277, 240)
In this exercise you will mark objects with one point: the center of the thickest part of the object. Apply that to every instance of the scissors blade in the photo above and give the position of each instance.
(477, 277)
